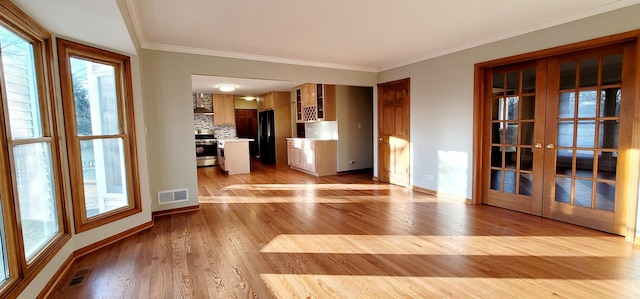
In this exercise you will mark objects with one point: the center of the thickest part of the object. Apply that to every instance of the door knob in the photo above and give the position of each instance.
(551, 146)
(381, 139)
(538, 145)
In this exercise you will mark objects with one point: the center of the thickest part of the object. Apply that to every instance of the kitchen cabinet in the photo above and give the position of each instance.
(312, 156)
(223, 109)
(315, 102)
(266, 102)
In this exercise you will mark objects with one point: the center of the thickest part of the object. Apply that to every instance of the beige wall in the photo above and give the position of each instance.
(354, 107)
(442, 97)
(241, 103)
(169, 114)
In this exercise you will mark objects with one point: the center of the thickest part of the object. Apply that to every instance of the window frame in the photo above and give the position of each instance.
(68, 49)
(21, 270)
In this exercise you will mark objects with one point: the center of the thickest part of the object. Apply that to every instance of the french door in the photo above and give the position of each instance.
(557, 131)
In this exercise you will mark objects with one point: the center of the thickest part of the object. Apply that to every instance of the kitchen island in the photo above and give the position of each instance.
(233, 155)
(315, 156)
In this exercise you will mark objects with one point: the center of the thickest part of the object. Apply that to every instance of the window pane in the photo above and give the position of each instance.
(95, 97)
(18, 68)
(36, 195)
(4, 263)
(103, 173)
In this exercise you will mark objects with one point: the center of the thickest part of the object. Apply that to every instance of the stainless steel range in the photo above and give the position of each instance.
(206, 148)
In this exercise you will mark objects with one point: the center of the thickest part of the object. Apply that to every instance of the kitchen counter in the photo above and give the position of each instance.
(233, 155)
(234, 139)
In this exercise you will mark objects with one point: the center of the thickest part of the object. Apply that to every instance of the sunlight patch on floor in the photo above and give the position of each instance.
(257, 187)
(347, 286)
(438, 245)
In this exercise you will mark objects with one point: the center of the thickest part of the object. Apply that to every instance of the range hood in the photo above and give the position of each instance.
(200, 105)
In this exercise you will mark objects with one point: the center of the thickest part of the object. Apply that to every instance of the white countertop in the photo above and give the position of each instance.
(234, 139)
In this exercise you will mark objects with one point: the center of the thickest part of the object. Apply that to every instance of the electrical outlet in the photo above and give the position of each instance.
(429, 177)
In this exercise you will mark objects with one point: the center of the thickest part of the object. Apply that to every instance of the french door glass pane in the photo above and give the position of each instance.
(20, 85)
(510, 182)
(568, 75)
(583, 193)
(496, 180)
(526, 133)
(95, 97)
(567, 105)
(587, 103)
(512, 108)
(607, 165)
(586, 133)
(529, 81)
(584, 164)
(103, 174)
(563, 190)
(610, 102)
(589, 72)
(605, 196)
(526, 184)
(528, 104)
(565, 133)
(36, 195)
(612, 69)
(608, 134)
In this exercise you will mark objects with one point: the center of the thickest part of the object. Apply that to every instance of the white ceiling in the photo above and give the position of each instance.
(370, 35)
(365, 35)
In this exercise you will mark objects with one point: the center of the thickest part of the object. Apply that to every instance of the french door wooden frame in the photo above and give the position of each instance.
(630, 153)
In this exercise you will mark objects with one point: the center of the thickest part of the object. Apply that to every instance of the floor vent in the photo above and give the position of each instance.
(78, 278)
(172, 196)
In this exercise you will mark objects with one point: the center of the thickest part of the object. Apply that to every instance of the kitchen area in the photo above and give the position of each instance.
(216, 141)
(318, 129)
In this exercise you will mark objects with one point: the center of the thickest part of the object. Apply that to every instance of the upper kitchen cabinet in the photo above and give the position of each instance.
(315, 102)
(266, 102)
(224, 109)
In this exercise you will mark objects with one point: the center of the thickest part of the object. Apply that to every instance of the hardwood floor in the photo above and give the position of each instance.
(284, 234)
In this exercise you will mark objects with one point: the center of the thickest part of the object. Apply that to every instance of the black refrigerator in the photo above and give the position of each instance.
(267, 137)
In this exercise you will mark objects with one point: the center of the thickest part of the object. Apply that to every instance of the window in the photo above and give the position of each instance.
(33, 222)
(98, 109)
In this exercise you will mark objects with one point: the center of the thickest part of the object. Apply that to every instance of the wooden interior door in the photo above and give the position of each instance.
(247, 127)
(393, 132)
(589, 119)
(514, 130)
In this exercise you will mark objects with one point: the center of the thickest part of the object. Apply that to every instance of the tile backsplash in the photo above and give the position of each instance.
(204, 121)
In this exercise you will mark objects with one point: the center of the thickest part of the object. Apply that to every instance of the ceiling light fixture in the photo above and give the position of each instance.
(249, 98)
(226, 87)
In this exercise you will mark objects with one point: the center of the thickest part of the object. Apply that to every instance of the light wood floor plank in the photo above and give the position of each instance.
(277, 233)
